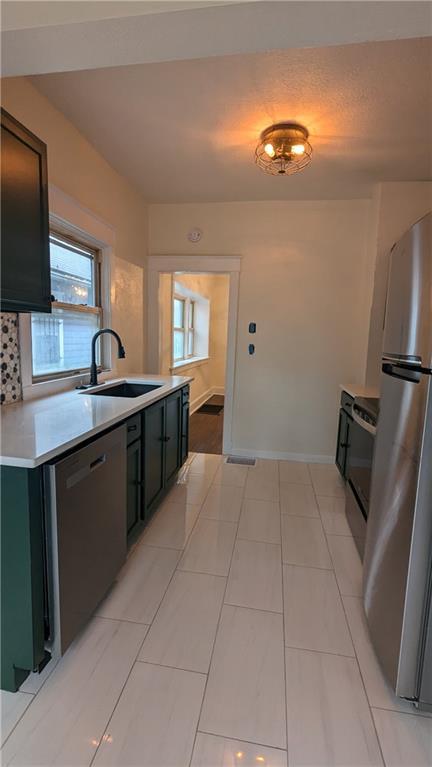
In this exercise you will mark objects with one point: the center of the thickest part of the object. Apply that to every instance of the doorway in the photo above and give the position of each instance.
(192, 323)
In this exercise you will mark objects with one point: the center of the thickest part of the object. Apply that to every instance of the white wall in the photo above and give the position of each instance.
(305, 281)
(218, 330)
(209, 375)
(396, 206)
(77, 169)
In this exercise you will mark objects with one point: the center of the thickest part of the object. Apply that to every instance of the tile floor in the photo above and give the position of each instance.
(234, 636)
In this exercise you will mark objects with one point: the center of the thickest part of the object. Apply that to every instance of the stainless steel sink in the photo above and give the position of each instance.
(125, 389)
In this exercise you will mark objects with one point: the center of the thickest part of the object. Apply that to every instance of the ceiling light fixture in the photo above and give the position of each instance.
(283, 149)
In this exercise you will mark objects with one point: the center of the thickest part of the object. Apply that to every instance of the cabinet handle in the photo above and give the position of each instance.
(132, 428)
(345, 444)
(164, 439)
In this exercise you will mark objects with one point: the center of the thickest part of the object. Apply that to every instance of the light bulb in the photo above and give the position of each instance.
(297, 149)
(268, 149)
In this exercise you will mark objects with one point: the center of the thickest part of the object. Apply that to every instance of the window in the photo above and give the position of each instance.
(183, 328)
(61, 342)
(190, 324)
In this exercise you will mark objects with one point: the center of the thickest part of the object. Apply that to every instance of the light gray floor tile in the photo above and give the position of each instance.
(267, 467)
(314, 616)
(155, 719)
(347, 564)
(210, 547)
(378, 689)
(171, 526)
(255, 578)
(34, 681)
(304, 543)
(190, 489)
(141, 585)
(298, 500)
(329, 720)
(184, 629)
(12, 705)
(245, 692)
(333, 517)
(326, 479)
(215, 751)
(66, 720)
(294, 471)
(223, 502)
(262, 483)
(260, 521)
(230, 474)
(406, 740)
(205, 463)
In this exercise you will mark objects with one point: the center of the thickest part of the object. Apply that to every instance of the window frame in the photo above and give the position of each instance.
(75, 244)
(69, 217)
(187, 329)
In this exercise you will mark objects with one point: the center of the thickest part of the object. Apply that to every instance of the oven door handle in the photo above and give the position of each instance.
(364, 424)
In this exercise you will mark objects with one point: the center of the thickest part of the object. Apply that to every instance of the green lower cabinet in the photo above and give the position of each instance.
(134, 520)
(23, 580)
(164, 445)
(157, 445)
(172, 438)
(153, 455)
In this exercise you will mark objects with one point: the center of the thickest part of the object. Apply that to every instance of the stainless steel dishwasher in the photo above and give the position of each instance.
(86, 532)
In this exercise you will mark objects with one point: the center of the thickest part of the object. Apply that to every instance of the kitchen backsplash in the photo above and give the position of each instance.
(10, 359)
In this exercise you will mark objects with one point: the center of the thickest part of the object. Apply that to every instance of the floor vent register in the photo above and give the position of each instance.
(240, 460)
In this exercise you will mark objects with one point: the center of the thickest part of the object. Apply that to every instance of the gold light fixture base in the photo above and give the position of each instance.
(283, 149)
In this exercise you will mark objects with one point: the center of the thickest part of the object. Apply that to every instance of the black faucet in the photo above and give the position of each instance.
(93, 367)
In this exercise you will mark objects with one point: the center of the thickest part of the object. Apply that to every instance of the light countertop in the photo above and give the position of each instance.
(35, 431)
(355, 390)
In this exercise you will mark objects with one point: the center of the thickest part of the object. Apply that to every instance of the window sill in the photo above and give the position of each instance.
(193, 362)
(39, 389)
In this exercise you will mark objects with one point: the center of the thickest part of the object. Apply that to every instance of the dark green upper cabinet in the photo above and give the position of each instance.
(25, 262)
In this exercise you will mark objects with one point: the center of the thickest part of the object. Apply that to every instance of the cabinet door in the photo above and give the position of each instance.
(23, 582)
(184, 433)
(154, 449)
(134, 464)
(25, 260)
(172, 434)
(343, 442)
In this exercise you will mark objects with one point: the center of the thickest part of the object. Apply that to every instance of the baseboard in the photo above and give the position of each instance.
(281, 456)
(198, 401)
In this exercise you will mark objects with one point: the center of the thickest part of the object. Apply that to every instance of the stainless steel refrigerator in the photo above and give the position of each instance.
(398, 553)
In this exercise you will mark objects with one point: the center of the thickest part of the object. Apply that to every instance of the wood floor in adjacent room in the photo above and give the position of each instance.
(205, 431)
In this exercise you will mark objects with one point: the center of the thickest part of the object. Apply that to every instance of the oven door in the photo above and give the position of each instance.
(360, 458)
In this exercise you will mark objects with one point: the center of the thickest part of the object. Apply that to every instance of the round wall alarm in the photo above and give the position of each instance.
(194, 235)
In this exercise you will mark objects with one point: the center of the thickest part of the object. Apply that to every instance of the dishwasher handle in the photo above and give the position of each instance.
(98, 462)
(84, 472)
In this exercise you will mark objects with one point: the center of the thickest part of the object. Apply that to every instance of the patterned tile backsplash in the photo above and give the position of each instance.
(10, 359)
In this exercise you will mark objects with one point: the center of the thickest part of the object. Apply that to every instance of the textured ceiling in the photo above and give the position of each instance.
(40, 13)
(186, 131)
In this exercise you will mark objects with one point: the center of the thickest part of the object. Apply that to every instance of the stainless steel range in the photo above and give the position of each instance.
(364, 412)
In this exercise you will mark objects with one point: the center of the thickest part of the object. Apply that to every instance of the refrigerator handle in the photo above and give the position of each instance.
(398, 371)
